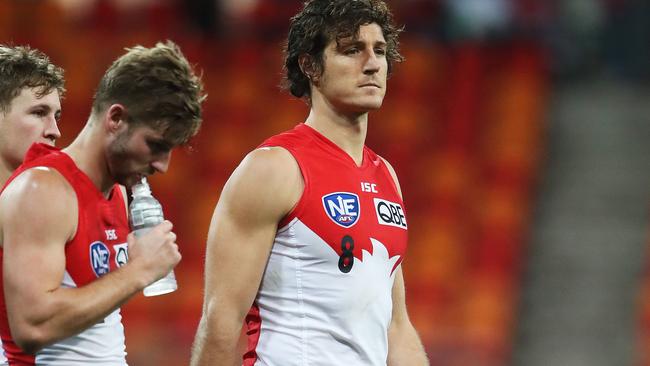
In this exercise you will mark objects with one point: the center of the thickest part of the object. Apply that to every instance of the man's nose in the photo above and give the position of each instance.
(51, 131)
(161, 164)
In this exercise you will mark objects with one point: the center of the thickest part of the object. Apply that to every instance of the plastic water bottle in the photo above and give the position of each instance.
(145, 213)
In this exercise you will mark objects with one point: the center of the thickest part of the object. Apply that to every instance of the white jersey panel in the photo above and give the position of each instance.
(312, 314)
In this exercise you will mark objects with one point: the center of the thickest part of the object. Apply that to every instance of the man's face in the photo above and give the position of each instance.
(28, 119)
(137, 152)
(355, 71)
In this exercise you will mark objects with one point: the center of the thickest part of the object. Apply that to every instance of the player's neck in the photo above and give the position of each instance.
(348, 134)
(5, 172)
(87, 153)
(347, 131)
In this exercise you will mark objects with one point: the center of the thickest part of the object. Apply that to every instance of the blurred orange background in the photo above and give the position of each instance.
(464, 124)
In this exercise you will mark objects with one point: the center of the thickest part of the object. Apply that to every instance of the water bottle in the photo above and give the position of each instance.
(145, 213)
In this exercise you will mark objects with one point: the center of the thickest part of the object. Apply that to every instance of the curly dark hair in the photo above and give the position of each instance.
(24, 67)
(158, 88)
(320, 22)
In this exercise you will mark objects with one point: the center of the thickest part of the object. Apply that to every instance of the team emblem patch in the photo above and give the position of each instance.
(99, 256)
(342, 207)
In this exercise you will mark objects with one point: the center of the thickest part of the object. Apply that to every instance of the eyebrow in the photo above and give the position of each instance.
(357, 42)
(45, 106)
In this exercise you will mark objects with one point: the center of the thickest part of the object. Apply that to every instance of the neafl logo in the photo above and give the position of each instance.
(99, 255)
(342, 207)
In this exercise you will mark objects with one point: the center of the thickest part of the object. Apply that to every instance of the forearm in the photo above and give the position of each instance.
(405, 347)
(216, 343)
(63, 312)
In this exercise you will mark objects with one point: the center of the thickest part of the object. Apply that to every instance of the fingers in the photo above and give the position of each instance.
(165, 228)
(166, 225)
(169, 236)
(179, 256)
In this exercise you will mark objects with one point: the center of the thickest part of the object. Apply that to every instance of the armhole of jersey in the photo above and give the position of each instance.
(76, 197)
(298, 207)
(123, 198)
(393, 183)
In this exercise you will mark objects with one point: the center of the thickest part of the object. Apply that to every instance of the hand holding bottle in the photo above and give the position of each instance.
(155, 251)
(146, 215)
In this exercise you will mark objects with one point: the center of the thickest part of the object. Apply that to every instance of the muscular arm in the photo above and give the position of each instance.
(38, 215)
(404, 345)
(259, 193)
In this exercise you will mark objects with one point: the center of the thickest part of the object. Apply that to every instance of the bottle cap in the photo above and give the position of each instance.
(141, 189)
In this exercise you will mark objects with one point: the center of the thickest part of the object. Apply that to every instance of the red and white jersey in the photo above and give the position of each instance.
(325, 296)
(98, 247)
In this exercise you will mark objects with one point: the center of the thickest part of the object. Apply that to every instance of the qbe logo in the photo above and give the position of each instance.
(99, 256)
(342, 208)
(390, 213)
(121, 254)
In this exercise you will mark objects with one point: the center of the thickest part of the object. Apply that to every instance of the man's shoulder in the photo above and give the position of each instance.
(271, 161)
(290, 139)
(39, 200)
(267, 179)
(37, 183)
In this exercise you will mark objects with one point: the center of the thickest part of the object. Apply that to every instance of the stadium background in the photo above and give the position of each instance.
(473, 124)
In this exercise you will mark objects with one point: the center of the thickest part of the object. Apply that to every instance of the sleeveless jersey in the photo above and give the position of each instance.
(99, 246)
(325, 296)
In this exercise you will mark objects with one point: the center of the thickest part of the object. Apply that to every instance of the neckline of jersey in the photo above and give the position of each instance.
(323, 139)
(87, 180)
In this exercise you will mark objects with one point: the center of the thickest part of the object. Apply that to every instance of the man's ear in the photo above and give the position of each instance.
(307, 66)
(115, 118)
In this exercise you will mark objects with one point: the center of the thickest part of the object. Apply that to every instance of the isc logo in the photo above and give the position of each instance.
(342, 208)
(368, 187)
(99, 255)
(390, 213)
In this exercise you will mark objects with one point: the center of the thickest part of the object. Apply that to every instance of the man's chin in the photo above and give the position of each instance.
(368, 107)
(371, 104)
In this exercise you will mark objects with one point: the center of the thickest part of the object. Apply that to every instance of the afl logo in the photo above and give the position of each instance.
(342, 208)
(99, 255)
